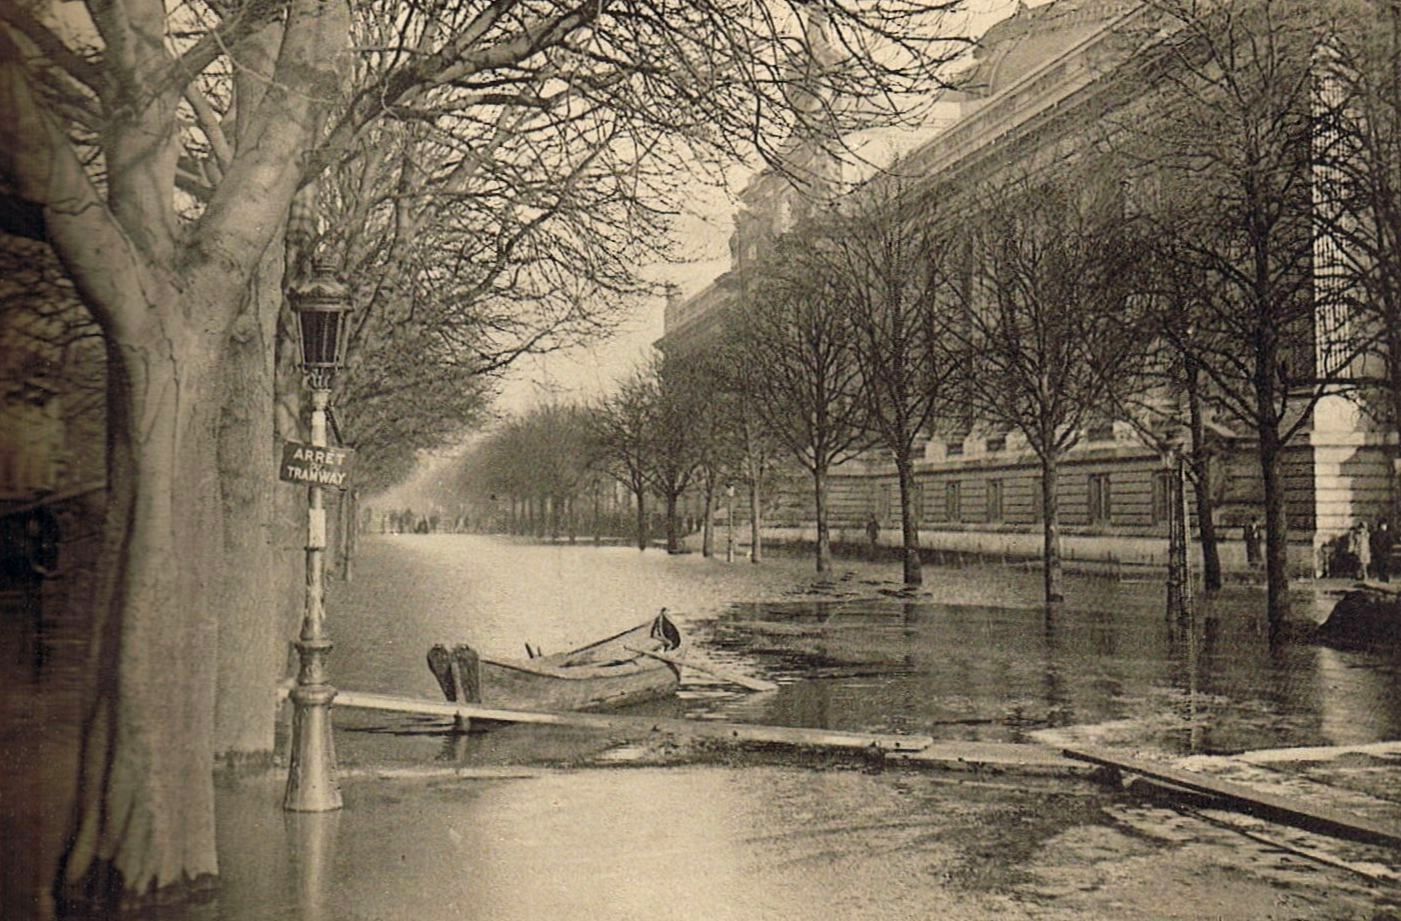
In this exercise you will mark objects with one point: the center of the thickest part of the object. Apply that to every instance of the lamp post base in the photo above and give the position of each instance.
(311, 773)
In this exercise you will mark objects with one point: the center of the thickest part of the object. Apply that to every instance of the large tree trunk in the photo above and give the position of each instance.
(254, 615)
(252, 632)
(909, 527)
(1050, 517)
(824, 538)
(144, 814)
(673, 538)
(1276, 532)
(1206, 523)
(1201, 479)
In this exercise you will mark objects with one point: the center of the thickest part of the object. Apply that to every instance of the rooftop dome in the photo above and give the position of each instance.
(1031, 35)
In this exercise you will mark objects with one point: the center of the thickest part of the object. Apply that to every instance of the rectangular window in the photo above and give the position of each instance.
(917, 500)
(953, 501)
(1162, 495)
(994, 501)
(1100, 431)
(997, 443)
(1099, 498)
(1037, 499)
(883, 503)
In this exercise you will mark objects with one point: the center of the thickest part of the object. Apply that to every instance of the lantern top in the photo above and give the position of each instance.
(321, 289)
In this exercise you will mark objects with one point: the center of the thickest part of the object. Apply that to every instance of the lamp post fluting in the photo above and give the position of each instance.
(321, 302)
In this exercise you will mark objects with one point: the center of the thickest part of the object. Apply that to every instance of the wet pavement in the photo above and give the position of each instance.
(527, 822)
(750, 843)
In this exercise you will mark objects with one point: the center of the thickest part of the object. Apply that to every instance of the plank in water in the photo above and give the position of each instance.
(641, 725)
(1289, 811)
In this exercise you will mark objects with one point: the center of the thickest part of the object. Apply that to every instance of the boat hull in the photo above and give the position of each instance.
(613, 672)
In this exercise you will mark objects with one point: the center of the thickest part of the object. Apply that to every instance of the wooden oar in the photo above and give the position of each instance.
(744, 681)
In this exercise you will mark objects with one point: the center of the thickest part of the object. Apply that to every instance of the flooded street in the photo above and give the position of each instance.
(971, 655)
(525, 822)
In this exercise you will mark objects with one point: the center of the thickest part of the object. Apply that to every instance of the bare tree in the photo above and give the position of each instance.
(622, 424)
(676, 431)
(882, 260)
(1045, 327)
(796, 348)
(1236, 152)
(1166, 401)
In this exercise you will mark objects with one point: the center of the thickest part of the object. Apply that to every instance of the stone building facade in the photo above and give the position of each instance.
(1041, 80)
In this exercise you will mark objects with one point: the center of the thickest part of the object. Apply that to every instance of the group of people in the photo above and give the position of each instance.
(1365, 550)
(1371, 546)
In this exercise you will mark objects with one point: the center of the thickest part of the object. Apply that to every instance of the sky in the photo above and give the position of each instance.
(590, 370)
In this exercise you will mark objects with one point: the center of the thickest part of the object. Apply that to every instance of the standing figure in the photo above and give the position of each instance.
(873, 535)
(1382, 542)
(1363, 548)
(1251, 536)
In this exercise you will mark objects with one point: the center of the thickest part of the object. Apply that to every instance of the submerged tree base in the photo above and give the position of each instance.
(102, 893)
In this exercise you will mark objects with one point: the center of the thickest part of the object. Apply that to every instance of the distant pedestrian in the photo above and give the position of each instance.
(873, 535)
(1382, 542)
(1362, 549)
(1251, 535)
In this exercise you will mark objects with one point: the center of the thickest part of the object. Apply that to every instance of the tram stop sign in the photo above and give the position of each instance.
(312, 466)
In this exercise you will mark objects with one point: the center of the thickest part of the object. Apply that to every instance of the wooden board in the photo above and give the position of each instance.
(995, 757)
(739, 732)
(1286, 810)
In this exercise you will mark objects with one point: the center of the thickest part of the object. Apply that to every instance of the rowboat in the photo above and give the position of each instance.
(626, 668)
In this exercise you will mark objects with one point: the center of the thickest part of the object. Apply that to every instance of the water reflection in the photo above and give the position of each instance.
(1211, 682)
(311, 838)
(974, 655)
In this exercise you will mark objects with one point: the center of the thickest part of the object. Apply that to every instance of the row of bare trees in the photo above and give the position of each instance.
(1219, 261)
(663, 433)
(1237, 267)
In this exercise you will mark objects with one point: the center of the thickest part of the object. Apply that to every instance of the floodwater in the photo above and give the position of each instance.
(971, 655)
(520, 823)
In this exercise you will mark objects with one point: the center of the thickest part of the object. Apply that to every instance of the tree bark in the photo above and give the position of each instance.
(1276, 533)
(252, 635)
(1050, 516)
(145, 805)
(909, 526)
(641, 522)
(824, 540)
(756, 550)
(1201, 479)
(673, 540)
(253, 614)
(708, 524)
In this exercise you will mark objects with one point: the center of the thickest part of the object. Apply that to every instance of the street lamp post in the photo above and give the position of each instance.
(321, 302)
(730, 523)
